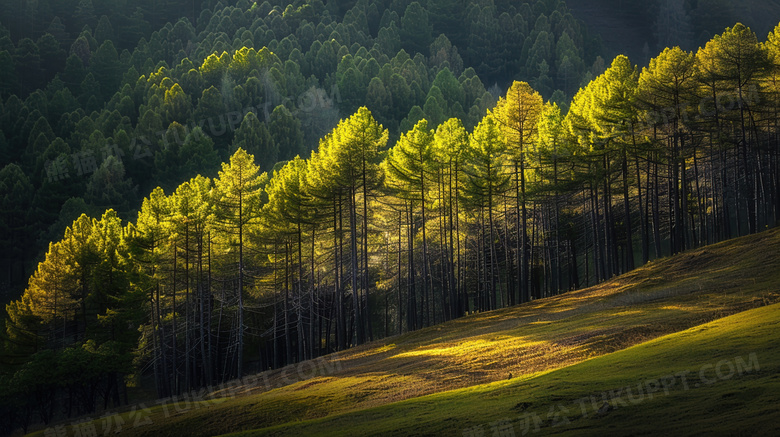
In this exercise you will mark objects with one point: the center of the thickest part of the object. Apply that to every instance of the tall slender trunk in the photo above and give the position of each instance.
(354, 264)
(656, 210)
(275, 335)
(398, 277)
(301, 332)
(461, 263)
(313, 302)
(748, 171)
(520, 249)
(642, 215)
(209, 308)
(629, 255)
(700, 207)
(206, 378)
(683, 196)
(526, 262)
(507, 298)
(175, 359)
(240, 345)
(454, 292)
(609, 224)
(187, 369)
(411, 275)
(366, 306)
(491, 241)
(155, 345)
(338, 244)
(287, 339)
(431, 319)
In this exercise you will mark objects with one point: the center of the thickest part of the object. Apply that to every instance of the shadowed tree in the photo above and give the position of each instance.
(253, 136)
(416, 31)
(286, 134)
(665, 89)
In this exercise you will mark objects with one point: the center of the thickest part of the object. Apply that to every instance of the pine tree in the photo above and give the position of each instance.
(148, 248)
(665, 89)
(408, 165)
(616, 117)
(518, 115)
(737, 61)
(487, 179)
(288, 215)
(254, 137)
(354, 147)
(238, 190)
(15, 203)
(286, 134)
(450, 144)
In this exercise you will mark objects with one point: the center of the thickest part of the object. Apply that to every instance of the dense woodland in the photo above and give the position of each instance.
(82, 80)
(370, 184)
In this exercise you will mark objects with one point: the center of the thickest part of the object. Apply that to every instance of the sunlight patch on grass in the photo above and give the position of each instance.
(741, 403)
(469, 348)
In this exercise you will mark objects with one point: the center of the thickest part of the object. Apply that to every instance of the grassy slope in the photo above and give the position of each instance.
(736, 403)
(664, 297)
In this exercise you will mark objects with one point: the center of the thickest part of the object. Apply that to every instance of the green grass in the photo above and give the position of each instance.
(731, 402)
(455, 375)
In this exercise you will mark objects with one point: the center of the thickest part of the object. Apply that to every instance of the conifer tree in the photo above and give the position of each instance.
(518, 115)
(238, 189)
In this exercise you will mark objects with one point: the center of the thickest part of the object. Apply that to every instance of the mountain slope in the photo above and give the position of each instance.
(663, 297)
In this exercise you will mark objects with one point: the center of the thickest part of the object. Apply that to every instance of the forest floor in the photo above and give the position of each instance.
(548, 365)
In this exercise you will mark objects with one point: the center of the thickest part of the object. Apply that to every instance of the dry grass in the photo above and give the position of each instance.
(744, 403)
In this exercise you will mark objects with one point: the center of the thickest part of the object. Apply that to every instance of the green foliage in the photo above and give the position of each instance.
(254, 137)
(518, 115)
(8, 77)
(289, 203)
(285, 135)
(106, 68)
(487, 178)
(177, 105)
(416, 31)
(238, 190)
(109, 188)
(17, 193)
(409, 162)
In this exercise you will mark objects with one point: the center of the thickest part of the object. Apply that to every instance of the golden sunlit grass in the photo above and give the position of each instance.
(663, 297)
(732, 375)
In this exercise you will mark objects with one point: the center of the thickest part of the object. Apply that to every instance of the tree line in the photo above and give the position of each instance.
(84, 79)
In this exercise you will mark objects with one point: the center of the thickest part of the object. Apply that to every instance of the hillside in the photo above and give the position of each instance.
(719, 378)
(555, 349)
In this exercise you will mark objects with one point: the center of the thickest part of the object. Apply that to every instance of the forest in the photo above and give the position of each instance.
(194, 191)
